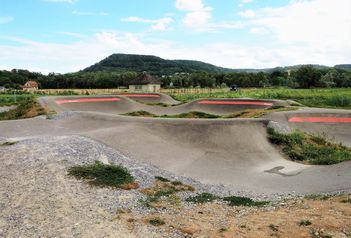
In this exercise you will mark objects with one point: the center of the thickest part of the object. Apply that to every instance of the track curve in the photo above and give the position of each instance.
(232, 152)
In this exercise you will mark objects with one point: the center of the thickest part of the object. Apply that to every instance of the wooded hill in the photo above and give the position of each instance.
(153, 65)
(158, 66)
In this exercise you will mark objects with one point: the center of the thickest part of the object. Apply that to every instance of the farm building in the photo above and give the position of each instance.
(30, 86)
(144, 82)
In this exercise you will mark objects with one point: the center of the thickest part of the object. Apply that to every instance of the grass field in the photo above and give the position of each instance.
(333, 98)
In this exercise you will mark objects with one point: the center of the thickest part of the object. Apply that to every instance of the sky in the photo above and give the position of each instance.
(69, 35)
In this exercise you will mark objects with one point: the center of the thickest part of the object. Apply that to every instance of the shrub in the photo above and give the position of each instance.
(102, 175)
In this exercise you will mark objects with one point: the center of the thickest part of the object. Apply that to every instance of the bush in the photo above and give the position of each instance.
(102, 175)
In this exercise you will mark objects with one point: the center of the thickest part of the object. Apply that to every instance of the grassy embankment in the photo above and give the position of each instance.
(329, 98)
(26, 108)
(310, 149)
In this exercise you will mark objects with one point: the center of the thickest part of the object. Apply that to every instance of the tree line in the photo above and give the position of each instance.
(305, 76)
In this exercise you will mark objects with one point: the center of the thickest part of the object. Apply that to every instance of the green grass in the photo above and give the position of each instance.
(330, 98)
(25, 109)
(231, 200)
(11, 99)
(164, 189)
(243, 201)
(318, 197)
(255, 113)
(102, 175)
(139, 114)
(193, 114)
(162, 179)
(202, 198)
(305, 223)
(311, 149)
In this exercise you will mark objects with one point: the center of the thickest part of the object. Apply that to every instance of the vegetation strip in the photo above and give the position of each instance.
(329, 98)
(231, 200)
(311, 149)
(141, 95)
(321, 119)
(254, 113)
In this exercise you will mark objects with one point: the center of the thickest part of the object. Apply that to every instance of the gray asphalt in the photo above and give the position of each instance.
(232, 152)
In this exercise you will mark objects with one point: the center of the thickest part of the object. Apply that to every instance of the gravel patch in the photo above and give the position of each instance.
(279, 127)
(7, 108)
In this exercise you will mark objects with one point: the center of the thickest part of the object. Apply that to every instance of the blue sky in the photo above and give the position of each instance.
(69, 35)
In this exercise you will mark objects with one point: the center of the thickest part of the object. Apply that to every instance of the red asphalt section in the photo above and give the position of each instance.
(141, 95)
(236, 103)
(62, 101)
(321, 119)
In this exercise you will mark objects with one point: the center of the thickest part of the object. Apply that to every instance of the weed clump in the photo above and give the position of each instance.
(103, 175)
(162, 179)
(202, 198)
(243, 201)
(8, 143)
(163, 192)
(305, 223)
(156, 221)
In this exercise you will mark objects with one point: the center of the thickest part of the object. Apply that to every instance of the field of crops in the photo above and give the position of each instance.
(12, 99)
(338, 98)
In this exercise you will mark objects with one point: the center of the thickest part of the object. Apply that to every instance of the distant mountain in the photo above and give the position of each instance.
(343, 66)
(152, 64)
(158, 66)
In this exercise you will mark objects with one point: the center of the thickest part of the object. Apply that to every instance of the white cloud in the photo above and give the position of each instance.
(198, 19)
(48, 57)
(247, 14)
(157, 25)
(79, 13)
(7, 19)
(73, 34)
(258, 30)
(322, 25)
(189, 5)
(197, 16)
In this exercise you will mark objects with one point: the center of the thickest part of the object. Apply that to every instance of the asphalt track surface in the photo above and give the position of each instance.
(232, 152)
